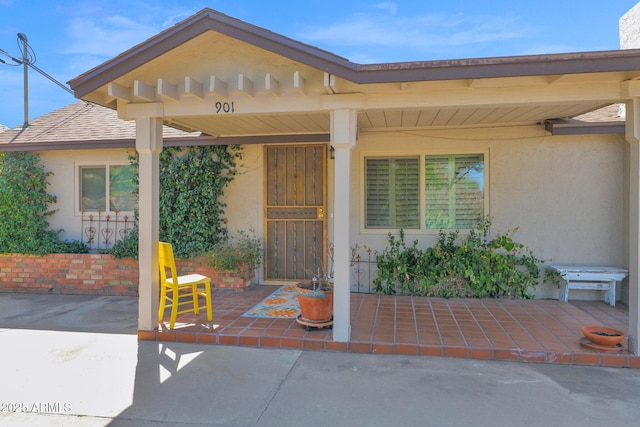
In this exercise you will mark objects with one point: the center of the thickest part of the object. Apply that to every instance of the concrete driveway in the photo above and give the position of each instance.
(62, 365)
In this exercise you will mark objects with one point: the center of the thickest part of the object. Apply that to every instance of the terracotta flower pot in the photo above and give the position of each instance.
(601, 335)
(313, 307)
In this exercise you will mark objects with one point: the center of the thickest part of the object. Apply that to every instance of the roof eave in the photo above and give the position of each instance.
(129, 143)
(509, 66)
(203, 21)
(476, 68)
(571, 127)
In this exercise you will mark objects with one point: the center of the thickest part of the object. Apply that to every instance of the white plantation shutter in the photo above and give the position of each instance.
(454, 191)
(392, 193)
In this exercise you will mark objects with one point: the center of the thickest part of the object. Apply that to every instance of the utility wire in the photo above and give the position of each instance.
(28, 60)
(50, 78)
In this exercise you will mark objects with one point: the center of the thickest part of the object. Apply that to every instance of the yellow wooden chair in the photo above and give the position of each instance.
(180, 291)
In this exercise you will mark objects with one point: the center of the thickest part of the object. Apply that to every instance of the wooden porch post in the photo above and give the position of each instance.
(149, 146)
(633, 137)
(343, 139)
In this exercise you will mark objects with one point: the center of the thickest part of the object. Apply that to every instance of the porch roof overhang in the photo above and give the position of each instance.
(129, 143)
(225, 78)
(575, 127)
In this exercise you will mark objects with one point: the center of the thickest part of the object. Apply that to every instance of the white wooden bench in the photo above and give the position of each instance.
(592, 278)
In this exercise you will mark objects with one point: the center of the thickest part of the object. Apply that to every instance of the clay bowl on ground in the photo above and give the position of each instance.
(602, 335)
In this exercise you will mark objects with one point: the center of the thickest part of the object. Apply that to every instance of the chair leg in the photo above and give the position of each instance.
(174, 310)
(207, 288)
(163, 299)
(196, 303)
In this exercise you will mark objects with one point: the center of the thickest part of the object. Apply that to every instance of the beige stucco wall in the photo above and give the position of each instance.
(565, 193)
(63, 182)
(245, 193)
(244, 196)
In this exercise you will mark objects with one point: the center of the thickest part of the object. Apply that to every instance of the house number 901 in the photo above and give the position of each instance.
(224, 107)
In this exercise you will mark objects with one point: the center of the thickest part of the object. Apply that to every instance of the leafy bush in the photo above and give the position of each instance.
(127, 247)
(24, 207)
(242, 252)
(477, 266)
(192, 206)
(73, 247)
(192, 183)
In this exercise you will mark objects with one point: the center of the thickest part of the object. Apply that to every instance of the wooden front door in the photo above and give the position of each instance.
(295, 211)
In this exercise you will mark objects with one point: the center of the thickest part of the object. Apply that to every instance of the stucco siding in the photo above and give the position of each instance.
(245, 193)
(564, 193)
(64, 181)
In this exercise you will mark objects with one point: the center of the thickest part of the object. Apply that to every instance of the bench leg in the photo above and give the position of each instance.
(612, 293)
(565, 292)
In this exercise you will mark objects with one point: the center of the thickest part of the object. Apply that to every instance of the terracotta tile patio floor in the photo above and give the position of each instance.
(545, 331)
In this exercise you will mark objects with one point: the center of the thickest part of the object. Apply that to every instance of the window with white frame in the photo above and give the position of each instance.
(430, 192)
(107, 188)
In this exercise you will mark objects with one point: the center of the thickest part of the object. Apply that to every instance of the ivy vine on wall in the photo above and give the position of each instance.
(192, 209)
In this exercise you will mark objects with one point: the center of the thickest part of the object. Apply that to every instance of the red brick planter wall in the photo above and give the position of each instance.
(93, 274)
(220, 279)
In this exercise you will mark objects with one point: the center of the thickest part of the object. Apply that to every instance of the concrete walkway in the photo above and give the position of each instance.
(62, 365)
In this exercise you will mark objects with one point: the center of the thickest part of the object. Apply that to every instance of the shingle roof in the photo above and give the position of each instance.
(611, 113)
(78, 122)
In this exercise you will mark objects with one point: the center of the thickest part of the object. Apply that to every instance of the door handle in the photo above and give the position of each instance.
(320, 213)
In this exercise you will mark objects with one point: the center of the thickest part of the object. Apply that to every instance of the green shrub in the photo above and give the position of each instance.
(24, 206)
(127, 247)
(475, 265)
(237, 253)
(73, 247)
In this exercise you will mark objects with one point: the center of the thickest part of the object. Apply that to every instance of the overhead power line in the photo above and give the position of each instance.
(28, 60)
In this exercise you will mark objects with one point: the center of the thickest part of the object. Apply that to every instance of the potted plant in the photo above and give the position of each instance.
(315, 297)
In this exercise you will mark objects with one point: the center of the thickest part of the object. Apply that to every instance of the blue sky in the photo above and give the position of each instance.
(69, 37)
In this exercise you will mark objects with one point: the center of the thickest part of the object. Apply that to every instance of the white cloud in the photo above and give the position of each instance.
(101, 35)
(387, 33)
(177, 17)
(107, 37)
(391, 7)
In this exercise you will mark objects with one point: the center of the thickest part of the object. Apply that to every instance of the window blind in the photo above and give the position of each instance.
(454, 191)
(392, 193)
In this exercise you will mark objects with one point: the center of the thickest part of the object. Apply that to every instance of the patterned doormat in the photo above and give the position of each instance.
(280, 304)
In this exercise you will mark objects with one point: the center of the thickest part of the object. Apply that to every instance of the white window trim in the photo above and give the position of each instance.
(76, 184)
(421, 154)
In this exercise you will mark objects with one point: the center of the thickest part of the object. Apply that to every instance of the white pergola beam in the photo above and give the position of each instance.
(193, 87)
(330, 83)
(271, 85)
(143, 90)
(167, 90)
(298, 83)
(630, 89)
(245, 85)
(218, 87)
(118, 91)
